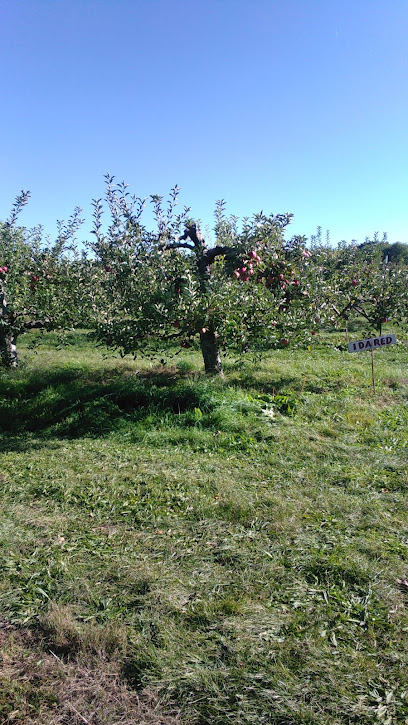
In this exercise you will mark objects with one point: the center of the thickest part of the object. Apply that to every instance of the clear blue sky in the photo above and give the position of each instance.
(280, 105)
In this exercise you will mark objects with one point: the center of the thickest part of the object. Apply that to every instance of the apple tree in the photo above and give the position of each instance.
(248, 291)
(358, 282)
(38, 280)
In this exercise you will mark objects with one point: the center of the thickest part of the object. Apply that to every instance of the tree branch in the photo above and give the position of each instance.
(211, 254)
(195, 235)
(177, 245)
(349, 305)
(208, 258)
(362, 312)
(36, 324)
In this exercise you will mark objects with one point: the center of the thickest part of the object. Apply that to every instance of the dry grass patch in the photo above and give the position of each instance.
(38, 687)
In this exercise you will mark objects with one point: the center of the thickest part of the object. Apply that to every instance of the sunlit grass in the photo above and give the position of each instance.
(232, 546)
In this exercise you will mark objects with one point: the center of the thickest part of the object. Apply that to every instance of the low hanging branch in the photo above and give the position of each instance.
(352, 305)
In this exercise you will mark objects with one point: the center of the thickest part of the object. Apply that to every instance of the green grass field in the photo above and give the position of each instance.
(176, 549)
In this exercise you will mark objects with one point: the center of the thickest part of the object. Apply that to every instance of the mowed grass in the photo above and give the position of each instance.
(192, 550)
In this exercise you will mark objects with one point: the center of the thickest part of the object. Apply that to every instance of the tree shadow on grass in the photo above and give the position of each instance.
(71, 403)
(42, 407)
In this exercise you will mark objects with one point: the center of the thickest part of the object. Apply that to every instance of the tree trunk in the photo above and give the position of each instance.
(8, 339)
(211, 352)
(8, 349)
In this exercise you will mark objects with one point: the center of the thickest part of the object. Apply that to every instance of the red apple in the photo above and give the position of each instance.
(176, 324)
(203, 330)
(354, 282)
(285, 341)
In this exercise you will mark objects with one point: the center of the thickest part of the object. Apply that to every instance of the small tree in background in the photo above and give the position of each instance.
(249, 291)
(38, 281)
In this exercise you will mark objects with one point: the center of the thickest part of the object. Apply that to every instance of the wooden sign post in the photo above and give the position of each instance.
(372, 343)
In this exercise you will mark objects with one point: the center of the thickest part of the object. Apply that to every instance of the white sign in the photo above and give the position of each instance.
(372, 343)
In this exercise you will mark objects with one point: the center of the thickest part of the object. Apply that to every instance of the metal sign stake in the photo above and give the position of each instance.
(371, 344)
(372, 371)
